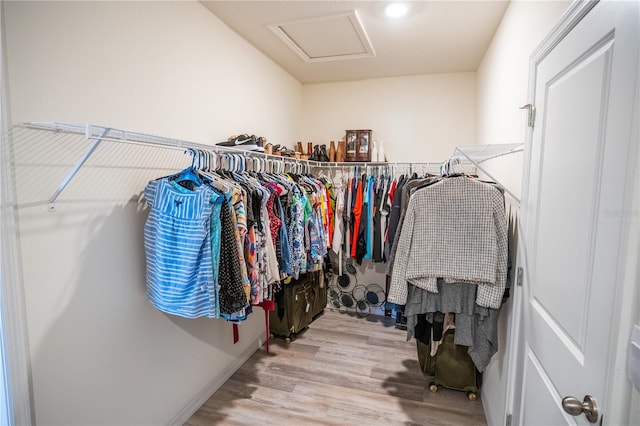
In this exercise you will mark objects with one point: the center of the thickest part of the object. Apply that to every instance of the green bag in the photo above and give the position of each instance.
(304, 300)
(454, 368)
(451, 367)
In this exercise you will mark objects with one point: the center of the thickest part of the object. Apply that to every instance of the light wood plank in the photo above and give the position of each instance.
(343, 370)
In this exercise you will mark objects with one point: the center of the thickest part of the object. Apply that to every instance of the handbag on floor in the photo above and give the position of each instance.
(451, 367)
(300, 302)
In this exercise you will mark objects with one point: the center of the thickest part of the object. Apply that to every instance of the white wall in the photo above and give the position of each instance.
(418, 118)
(100, 353)
(502, 82)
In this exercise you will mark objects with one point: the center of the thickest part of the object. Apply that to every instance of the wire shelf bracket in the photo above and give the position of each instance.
(76, 168)
(478, 154)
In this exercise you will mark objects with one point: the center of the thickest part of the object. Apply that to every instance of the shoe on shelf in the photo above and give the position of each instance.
(288, 152)
(243, 142)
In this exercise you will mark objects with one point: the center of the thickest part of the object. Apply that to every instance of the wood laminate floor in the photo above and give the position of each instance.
(343, 370)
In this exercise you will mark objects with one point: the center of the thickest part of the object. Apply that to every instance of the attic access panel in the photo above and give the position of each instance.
(326, 38)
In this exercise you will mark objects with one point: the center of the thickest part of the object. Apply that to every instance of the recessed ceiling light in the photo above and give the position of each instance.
(396, 10)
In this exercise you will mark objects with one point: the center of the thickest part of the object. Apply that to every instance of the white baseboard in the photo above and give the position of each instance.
(183, 415)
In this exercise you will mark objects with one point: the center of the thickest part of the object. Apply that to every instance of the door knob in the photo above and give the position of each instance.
(574, 407)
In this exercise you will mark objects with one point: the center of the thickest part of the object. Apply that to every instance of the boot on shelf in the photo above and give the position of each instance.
(341, 151)
(323, 153)
(332, 151)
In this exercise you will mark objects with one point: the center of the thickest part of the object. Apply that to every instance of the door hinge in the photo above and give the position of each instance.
(519, 275)
(508, 421)
(531, 114)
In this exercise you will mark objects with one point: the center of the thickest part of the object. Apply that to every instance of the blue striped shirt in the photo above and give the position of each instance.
(178, 249)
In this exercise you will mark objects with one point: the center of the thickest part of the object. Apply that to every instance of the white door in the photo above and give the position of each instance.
(577, 185)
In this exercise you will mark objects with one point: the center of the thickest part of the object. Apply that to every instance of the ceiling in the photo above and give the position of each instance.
(434, 37)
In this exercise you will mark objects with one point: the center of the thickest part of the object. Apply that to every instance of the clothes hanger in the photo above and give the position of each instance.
(214, 179)
(190, 174)
(228, 163)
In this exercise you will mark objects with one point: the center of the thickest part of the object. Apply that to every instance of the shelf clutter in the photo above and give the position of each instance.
(357, 146)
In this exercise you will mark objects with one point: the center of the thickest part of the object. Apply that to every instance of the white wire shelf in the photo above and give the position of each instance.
(478, 154)
(98, 134)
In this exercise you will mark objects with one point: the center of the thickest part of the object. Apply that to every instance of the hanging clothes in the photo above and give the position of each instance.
(218, 243)
(407, 191)
(297, 229)
(476, 326)
(178, 248)
(394, 214)
(455, 229)
(371, 187)
(386, 211)
(356, 216)
(239, 221)
(338, 228)
(340, 225)
(363, 231)
(380, 220)
(232, 296)
(348, 227)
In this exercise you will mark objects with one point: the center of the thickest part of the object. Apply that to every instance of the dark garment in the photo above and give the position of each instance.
(422, 330)
(361, 242)
(281, 303)
(438, 326)
(354, 188)
(285, 204)
(387, 284)
(256, 205)
(231, 294)
(282, 251)
(394, 216)
(512, 242)
(378, 255)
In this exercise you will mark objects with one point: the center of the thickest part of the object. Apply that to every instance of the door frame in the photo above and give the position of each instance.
(616, 406)
(14, 348)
